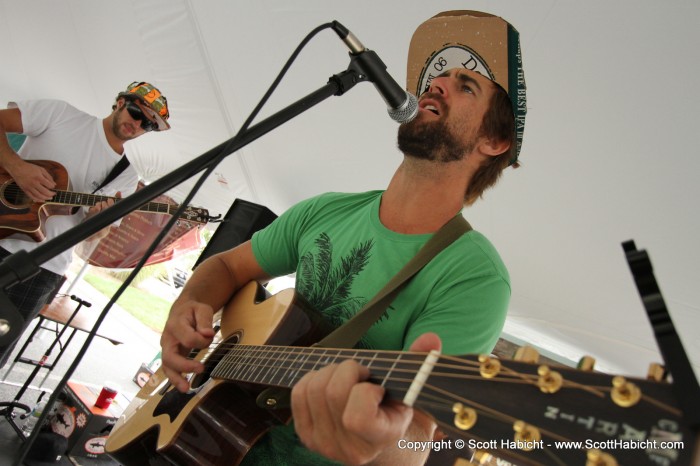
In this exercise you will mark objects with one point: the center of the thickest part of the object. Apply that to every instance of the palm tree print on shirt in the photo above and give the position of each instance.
(328, 288)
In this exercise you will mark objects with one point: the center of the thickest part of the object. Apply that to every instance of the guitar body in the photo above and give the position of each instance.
(218, 421)
(19, 214)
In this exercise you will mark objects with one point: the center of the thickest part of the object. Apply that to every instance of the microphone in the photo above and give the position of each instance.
(402, 106)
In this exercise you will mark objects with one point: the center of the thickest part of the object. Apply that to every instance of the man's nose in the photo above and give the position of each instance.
(438, 85)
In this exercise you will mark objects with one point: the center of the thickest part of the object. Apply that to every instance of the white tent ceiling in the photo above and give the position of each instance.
(609, 151)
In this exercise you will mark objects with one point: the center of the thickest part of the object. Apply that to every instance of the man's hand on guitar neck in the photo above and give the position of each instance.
(341, 416)
(102, 205)
(96, 209)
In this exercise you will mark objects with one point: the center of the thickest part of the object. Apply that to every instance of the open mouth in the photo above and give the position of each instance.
(430, 104)
(432, 108)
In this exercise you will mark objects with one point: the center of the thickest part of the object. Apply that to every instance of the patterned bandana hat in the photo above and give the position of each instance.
(150, 95)
(476, 41)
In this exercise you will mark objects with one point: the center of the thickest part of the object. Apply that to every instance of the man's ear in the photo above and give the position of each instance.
(493, 147)
(119, 103)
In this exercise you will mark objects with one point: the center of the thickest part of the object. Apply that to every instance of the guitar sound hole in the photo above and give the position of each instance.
(14, 197)
(212, 359)
(173, 401)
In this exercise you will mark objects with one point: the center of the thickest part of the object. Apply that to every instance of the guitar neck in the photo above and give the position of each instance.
(495, 405)
(283, 366)
(89, 200)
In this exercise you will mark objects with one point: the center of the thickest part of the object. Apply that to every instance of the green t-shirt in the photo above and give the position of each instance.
(343, 256)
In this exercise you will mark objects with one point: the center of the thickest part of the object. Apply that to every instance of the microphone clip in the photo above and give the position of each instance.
(346, 80)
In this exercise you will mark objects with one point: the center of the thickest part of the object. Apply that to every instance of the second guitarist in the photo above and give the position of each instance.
(88, 147)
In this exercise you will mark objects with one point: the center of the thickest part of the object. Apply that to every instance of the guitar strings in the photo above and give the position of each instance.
(266, 357)
(429, 391)
(69, 198)
(419, 357)
(260, 352)
(485, 410)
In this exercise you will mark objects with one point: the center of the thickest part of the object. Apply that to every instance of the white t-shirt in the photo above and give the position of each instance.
(58, 131)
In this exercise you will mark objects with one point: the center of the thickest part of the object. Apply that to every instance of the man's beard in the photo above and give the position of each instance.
(432, 141)
(116, 126)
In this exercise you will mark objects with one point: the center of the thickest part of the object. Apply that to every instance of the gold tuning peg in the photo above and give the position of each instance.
(625, 393)
(482, 457)
(489, 367)
(465, 417)
(479, 457)
(527, 354)
(599, 458)
(549, 381)
(526, 434)
(586, 363)
(657, 372)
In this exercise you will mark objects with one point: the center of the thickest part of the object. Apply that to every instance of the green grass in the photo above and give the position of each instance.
(151, 310)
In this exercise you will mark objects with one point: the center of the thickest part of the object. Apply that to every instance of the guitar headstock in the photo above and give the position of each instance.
(527, 413)
(195, 215)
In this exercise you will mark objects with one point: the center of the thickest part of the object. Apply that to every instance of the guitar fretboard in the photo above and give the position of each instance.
(83, 199)
(283, 366)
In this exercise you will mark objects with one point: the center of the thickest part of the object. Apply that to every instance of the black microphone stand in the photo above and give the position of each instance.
(23, 265)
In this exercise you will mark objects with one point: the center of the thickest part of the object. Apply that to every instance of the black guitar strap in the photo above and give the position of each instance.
(117, 169)
(115, 172)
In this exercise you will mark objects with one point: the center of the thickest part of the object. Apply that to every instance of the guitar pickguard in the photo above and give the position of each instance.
(173, 403)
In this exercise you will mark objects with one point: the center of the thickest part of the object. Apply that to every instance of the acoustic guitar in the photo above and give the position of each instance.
(522, 412)
(20, 214)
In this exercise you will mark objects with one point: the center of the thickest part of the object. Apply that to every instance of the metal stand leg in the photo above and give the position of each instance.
(8, 412)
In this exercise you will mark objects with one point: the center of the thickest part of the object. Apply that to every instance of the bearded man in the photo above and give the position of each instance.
(345, 247)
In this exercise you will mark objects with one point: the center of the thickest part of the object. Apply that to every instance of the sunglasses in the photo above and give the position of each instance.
(137, 114)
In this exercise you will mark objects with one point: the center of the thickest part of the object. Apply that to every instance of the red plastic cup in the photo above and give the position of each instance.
(106, 396)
